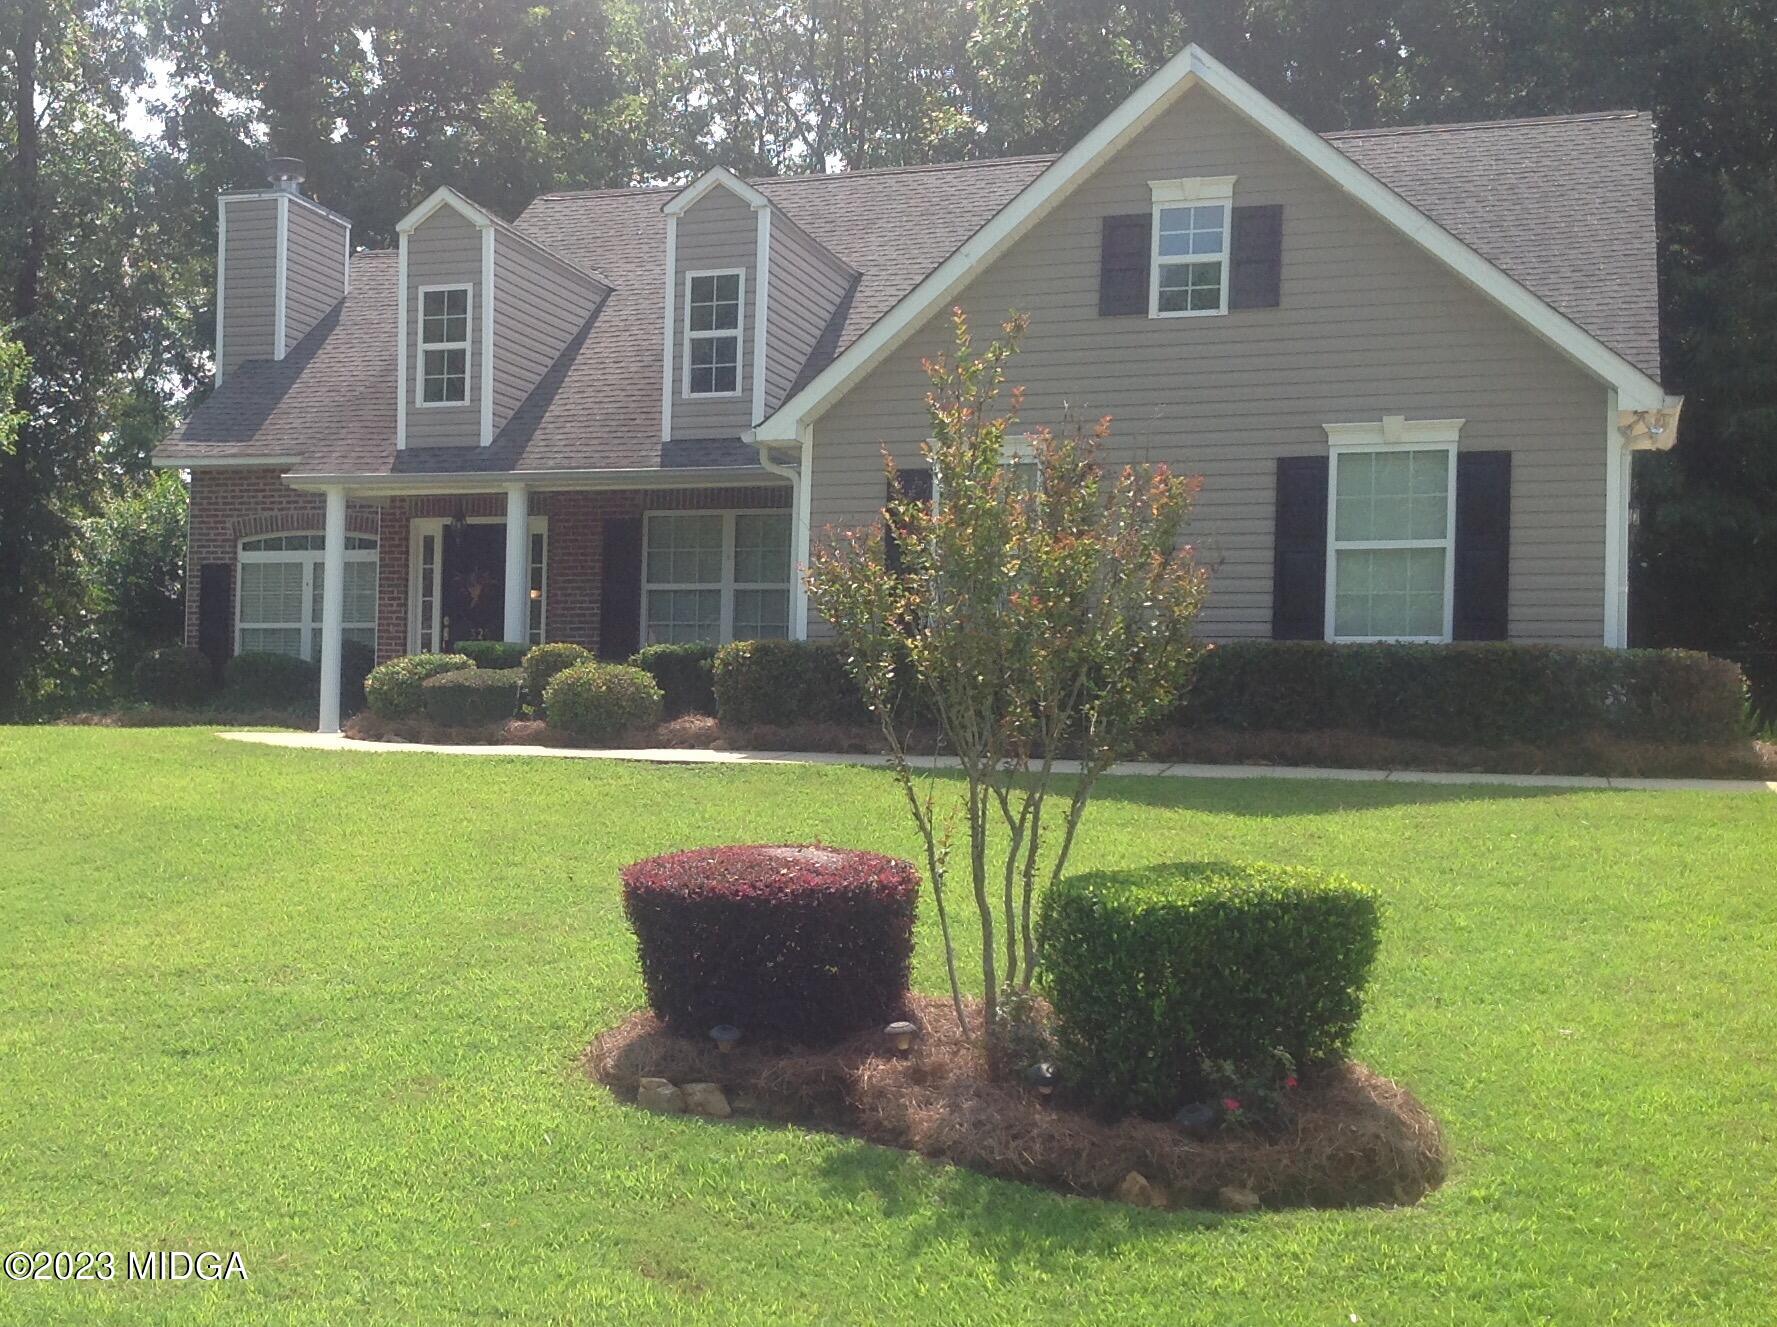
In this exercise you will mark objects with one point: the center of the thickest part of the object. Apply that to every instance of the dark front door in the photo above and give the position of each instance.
(473, 593)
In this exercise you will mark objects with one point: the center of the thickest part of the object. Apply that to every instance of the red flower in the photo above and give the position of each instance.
(1290, 1082)
(1230, 1104)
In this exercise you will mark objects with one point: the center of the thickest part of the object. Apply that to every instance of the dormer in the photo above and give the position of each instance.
(747, 294)
(485, 310)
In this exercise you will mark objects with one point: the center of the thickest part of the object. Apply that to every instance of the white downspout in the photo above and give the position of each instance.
(799, 506)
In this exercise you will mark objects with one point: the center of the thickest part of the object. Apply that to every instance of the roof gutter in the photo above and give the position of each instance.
(177, 462)
(487, 481)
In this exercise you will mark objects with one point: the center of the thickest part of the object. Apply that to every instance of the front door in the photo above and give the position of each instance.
(472, 592)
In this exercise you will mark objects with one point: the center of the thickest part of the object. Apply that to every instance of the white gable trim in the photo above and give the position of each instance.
(717, 177)
(1188, 69)
(443, 196)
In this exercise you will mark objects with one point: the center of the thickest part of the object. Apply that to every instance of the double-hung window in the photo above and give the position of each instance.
(443, 366)
(1391, 522)
(1189, 269)
(282, 580)
(716, 576)
(712, 332)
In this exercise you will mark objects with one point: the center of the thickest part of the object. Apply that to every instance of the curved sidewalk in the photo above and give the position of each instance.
(699, 756)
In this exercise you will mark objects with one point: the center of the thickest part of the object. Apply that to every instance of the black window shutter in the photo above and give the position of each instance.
(620, 588)
(215, 613)
(1255, 257)
(1483, 544)
(1124, 247)
(1299, 569)
(915, 484)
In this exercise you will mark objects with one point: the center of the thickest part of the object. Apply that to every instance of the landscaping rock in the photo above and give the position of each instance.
(706, 1099)
(1137, 1192)
(1233, 1198)
(657, 1094)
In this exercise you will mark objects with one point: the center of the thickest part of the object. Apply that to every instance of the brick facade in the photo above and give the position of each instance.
(228, 505)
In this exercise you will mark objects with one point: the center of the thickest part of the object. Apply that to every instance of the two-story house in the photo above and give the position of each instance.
(1410, 364)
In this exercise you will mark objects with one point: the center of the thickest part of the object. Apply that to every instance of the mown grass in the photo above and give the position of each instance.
(325, 1009)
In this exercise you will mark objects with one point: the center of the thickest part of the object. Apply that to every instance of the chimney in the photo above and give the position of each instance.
(282, 262)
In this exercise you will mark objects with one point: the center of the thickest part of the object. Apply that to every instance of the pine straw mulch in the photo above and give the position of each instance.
(1355, 1138)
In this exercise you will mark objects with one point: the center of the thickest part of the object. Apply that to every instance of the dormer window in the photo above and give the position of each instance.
(712, 332)
(1190, 260)
(444, 345)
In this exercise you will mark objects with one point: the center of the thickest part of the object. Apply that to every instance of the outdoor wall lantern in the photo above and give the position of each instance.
(459, 524)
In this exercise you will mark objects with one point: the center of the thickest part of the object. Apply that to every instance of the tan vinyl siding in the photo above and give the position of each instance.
(539, 305)
(315, 279)
(718, 232)
(807, 284)
(444, 250)
(250, 281)
(1369, 325)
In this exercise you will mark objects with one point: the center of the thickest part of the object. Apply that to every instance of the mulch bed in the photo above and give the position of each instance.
(1355, 1137)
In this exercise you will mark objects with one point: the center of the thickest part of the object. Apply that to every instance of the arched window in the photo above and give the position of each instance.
(281, 582)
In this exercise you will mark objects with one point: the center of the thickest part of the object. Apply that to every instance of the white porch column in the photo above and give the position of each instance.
(518, 564)
(333, 600)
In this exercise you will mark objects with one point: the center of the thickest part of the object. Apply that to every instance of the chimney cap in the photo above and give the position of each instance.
(286, 173)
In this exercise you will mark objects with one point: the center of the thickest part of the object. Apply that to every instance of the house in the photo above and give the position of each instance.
(1411, 365)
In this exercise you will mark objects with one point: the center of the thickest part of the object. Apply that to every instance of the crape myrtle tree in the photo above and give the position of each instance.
(1039, 610)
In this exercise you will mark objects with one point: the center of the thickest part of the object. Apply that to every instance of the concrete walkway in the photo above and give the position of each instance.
(698, 756)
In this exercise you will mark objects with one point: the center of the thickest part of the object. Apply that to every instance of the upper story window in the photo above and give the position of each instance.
(1189, 271)
(712, 332)
(444, 345)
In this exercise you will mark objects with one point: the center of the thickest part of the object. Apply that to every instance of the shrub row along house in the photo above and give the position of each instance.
(1410, 364)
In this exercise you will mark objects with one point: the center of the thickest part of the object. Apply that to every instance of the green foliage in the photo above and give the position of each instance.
(783, 682)
(601, 701)
(279, 680)
(545, 661)
(392, 691)
(356, 660)
(684, 675)
(173, 675)
(134, 561)
(1153, 971)
(1469, 693)
(467, 697)
(492, 653)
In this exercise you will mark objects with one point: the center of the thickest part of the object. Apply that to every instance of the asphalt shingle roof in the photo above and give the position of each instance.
(1564, 205)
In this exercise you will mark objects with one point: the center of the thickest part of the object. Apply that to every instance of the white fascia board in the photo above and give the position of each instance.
(443, 196)
(761, 308)
(493, 481)
(717, 177)
(177, 462)
(666, 339)
(487, 336)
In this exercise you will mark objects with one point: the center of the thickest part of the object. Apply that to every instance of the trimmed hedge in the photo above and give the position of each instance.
(785, 682)
(601, 701)
(543, 662)
(1150, 972)
(465, 697)
(492, 653)
(804, 943)
(683, 674)
(173, 675)
(1469, 693)
(393, 689)
(279, 680)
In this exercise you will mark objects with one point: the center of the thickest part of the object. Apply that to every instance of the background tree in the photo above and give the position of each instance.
(133, 565)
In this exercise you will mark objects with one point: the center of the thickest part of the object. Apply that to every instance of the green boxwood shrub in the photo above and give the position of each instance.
(1151, 972)
(392, 691)
(601, 701)
(492, 653)
(466, 697)
(683, 674)
(543, 662)
(173, 675)
(279, 680)
(786, 682)
(1469, 693)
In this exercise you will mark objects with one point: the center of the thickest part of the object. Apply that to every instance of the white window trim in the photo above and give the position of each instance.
(728, 584)
(311, 558)
(418, 529)
(737, 332)
(1392, 433)
(467, 346)
(1196, 192)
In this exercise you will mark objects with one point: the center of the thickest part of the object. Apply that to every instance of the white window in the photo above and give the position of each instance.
(1391, 515)
(282, 580)
(712, 332)
(443, 368)
(1188, 276)
(716, 576)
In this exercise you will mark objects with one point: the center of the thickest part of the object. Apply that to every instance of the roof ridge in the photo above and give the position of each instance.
(1467, 126)
(914, 169)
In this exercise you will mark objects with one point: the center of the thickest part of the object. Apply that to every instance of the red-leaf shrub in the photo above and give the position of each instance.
(801, 942)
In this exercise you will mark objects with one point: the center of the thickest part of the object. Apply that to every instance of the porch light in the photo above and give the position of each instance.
(901, 1034)
(724, 1035)
(459, 524)
(536, 593)
(1042, 1077)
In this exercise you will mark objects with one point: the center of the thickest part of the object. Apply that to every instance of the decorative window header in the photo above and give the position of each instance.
(1202, 189)
(1394, 430)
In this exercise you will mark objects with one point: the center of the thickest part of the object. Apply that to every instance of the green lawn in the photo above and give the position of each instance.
(325, 1009)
